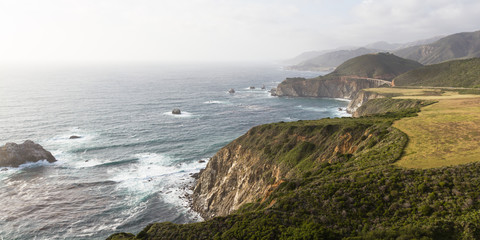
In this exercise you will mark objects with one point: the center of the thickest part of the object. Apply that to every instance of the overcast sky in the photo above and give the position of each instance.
(216, 30)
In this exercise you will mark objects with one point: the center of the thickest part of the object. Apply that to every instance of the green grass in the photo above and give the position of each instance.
(342, 178)
(457, 73)
(380, 65)
(444, 134)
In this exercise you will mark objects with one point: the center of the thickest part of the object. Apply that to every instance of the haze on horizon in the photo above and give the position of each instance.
(216, 30)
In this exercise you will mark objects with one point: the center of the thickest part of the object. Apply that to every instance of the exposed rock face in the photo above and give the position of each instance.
(233, 177)
(251, 167)
(337, 87)
(176, 111)
(359, 99)
(14, 155)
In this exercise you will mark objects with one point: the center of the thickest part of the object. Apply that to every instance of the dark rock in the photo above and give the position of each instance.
(4, 169)
(340, 109)
(252, 87)
(195, 175)
(176, 111)
(14, 155)
(273, 92)
(263, 87)
(201, 161)
(74, 137)
(231, 90)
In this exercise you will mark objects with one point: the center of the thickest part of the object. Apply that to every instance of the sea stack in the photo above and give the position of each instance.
(231, 90)
(14, 155)
(263, 87)
(176, 111)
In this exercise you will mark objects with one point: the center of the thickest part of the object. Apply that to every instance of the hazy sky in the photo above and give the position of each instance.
(216, 30)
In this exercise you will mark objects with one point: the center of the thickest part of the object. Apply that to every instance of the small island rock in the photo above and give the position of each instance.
(263, 87)
(74, 137)
(176, 111)
(252, 87)
(14, 155)
(231, 90)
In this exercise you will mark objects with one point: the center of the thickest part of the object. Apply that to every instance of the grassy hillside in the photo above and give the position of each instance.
(387, 105)
(380, 65)
(354, 194)
(456, 46)
(456, 73)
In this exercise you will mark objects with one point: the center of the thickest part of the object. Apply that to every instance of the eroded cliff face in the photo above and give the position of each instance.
(233, 177)
(331, 87)
(359, 99)
(250, 168)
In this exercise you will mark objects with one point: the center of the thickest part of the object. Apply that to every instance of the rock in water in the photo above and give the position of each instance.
(231, 90)
(176, 111)
(263, 87)
(74, 137)
(252, 87)
(14, 155)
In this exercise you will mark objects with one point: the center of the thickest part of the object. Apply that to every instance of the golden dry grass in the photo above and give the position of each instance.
(443, 134)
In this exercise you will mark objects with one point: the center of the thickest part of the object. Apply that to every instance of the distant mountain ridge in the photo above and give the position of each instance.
(330, 60)
(429, 51)
(456, 46)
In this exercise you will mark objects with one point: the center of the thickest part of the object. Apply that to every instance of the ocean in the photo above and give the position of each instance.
(133, 163)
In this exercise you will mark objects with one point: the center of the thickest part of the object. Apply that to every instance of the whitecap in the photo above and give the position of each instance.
(313, 109)
(155, 172)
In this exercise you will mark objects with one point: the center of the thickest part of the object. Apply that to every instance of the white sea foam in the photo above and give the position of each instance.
(313, 109)
(343, 99)
(156, 172)
(216, 102)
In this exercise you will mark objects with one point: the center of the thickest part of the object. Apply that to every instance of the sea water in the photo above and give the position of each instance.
(133, 162)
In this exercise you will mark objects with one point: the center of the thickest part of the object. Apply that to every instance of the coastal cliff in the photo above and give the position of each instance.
(328, 87)
(250, 168)
(366, 71)
(360, 99)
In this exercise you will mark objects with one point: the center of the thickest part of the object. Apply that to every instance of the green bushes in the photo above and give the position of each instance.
(350, 195)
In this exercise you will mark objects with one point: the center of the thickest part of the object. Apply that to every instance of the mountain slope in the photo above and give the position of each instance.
(349, 78)
(460, 45)
(456, 73)
(380, 65)
(330, 60)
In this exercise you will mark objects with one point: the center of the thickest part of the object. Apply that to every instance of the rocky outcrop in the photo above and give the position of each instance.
(14, 155)
(359, 99)
(176, 111)
(328, 87)
(233, 177)
(250, 168)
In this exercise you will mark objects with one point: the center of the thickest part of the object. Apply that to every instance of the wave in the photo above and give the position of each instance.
(313, 109)
(216, 102)
(157, 173)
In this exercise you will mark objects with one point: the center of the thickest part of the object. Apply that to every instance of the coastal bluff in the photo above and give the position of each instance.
(328, 87)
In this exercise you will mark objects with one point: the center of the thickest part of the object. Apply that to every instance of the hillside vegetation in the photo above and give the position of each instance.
(354, 193)
(456, 73)
(380, 65)
(456, 46)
